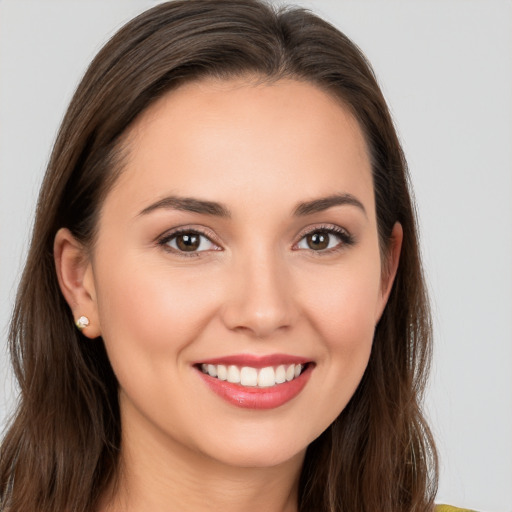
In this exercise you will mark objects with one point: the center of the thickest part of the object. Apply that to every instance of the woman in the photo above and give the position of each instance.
(223, 304)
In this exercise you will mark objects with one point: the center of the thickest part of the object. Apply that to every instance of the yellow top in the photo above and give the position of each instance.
(448, 508)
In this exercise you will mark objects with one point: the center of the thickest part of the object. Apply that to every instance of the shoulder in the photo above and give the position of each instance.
(449, 508)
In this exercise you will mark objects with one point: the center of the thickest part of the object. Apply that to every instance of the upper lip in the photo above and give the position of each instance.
(256, 361)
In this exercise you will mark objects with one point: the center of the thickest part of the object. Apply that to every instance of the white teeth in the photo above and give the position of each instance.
(280, 374)
(233, 374)
(252, 377)
(222, 372)
(266, 377)
(248, 376)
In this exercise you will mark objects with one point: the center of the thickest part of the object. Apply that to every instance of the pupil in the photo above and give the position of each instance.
(188, 242)
(318, 241)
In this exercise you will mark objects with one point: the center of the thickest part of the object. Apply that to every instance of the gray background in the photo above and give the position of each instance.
(446, 70)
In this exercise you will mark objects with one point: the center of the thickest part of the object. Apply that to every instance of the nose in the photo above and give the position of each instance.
(260, 299)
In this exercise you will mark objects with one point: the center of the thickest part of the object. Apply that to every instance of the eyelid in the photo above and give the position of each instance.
(346, 237)
(164, 239)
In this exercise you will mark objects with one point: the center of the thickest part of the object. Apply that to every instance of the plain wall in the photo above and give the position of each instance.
(446, 70)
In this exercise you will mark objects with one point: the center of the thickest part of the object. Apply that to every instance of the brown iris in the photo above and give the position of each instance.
(188, 242)
(318, 240)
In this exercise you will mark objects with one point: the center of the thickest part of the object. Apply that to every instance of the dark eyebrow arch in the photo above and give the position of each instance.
(324, 203)
(188, 204)
(191, 204)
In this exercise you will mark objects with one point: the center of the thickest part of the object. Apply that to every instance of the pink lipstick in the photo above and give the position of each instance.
(256, 382)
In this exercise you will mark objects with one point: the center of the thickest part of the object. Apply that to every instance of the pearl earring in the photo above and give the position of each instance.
(82, 322)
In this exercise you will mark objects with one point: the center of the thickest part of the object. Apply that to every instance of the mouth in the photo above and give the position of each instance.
(248, 376)
(256, 383)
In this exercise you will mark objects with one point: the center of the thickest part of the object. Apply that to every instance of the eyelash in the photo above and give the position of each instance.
(165, 239)
(346, 239)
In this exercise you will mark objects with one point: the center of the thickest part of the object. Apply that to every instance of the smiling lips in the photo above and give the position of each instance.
(256, 382)
(248, 376)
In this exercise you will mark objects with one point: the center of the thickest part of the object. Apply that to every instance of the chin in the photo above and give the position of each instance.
(260, 459)
(261, 449)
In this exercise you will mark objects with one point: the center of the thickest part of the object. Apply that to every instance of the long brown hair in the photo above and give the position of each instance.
(62, 447)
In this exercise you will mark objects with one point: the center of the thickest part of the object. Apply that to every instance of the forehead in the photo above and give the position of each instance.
(253, 138)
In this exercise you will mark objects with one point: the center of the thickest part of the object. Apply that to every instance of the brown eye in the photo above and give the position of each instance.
(325, 239)
(318, 240)
(188, 242)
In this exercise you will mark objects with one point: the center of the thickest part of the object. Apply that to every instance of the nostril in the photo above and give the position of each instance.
(257, 324)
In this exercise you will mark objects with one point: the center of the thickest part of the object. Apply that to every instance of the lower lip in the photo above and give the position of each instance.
(258, 398)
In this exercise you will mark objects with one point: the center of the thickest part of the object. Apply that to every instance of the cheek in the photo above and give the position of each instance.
(342, 308)
(147, 311)
(343, 305)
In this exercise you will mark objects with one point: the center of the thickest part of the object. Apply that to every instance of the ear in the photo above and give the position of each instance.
(390, 267)
(76, 279)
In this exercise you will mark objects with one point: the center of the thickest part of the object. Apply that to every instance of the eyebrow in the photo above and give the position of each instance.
(190, 204)
(324, 203)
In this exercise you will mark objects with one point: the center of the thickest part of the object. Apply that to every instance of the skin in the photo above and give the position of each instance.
(257, 288)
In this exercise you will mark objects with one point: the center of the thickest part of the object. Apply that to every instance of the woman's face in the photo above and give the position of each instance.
(240, 240)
